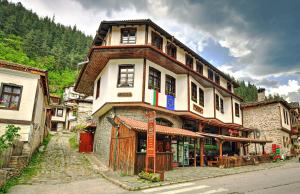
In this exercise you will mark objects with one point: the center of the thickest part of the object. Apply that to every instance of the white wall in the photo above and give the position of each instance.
(116, 35)
(225, 117)
(60, 119)
(109, 79)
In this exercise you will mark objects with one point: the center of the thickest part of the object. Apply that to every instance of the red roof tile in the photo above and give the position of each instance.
(142, 126)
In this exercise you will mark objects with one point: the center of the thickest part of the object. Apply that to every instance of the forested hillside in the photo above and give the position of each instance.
(39, 42)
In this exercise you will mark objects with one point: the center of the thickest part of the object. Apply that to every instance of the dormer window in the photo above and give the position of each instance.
(199, 67)
(171, 50)
(210, 75)
(189, 61)
(217, 79)
(128, 35)
(157, 40)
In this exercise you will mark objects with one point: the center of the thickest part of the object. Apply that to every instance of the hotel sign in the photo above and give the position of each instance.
(151, 139)
(197, 109)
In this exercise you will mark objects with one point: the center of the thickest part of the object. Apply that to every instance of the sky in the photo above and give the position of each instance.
(256, 41)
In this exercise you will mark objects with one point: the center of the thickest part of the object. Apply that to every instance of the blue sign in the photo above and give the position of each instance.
(170, 102)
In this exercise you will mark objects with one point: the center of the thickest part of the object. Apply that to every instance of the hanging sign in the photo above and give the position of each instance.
(170, 102)
(151, 139)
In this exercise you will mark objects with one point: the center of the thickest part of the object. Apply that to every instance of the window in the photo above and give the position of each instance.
(217, 79)
(217, 102)
(59, 112)
(128, 35)
(10, 96)
(229, 86)
(222, 105)
(194, 92)
(154, 79)
(199, 67)
(189, 61)
(201, 97)
(157, 40)
(163, 122)
(237, 109)
(170, 85)
(286, 116)
(74, 112)
(98, 88)
(171, 50)
(126, 76)
(210, 74)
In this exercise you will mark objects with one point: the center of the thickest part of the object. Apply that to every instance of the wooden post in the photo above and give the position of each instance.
(244, 149)
(201, 152)
(195, 164)
(263, 149)
(221, 152)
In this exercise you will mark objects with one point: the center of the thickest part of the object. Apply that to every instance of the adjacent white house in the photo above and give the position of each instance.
(24, 102)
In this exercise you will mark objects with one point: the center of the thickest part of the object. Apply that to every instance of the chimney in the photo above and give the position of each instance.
(261, 94)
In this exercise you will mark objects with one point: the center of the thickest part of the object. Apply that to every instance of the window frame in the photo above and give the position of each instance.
(170, 80)
(201, 97)
(236, 109)
(151, 85)
(229, 86)
(98, 84)
(217, 102)
(62, 112)
(199, 70)
(169, 48)
(221, 105)
(217, 78)
(156, 35)
(210, 72)
(189, 61)
(119, 75)
(128, 28)
(3, 85)
(194, 92)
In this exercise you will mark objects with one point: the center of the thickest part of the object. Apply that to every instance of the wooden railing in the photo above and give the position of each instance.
(163, 161)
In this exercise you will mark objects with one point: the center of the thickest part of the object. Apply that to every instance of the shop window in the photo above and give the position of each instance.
(189, 61)
(201, 97)
(170, 85)
(126, 76)
(10, 97)
(199, 67)
(154, 79)
(157, 40)
(210, 74)
(128, 35)
(171, 50)
(217, 102)
(237, 109)
(194, 92)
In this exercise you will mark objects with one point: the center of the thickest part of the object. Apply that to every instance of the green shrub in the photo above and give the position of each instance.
(153, 177)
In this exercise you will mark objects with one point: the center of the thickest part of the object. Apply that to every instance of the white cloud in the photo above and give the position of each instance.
(291, 86)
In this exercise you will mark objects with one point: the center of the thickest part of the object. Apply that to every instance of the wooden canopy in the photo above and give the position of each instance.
(234, 139)
(143, 126)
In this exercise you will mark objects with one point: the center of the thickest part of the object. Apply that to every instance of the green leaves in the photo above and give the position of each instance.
(7, 139)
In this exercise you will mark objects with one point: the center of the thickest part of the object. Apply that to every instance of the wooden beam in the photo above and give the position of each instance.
(201, 152)
(195, 163)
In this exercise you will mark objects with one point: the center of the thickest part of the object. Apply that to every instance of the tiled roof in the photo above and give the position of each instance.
(266, 102)
(142, 126)
(234, 139)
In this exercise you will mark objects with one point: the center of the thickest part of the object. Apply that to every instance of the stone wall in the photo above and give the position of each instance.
(267, 120)
(103, 130)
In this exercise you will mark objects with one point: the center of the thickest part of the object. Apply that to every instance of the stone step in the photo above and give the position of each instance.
(18, 162)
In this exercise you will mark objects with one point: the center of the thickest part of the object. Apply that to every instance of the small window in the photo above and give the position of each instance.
(98, 88)
(126, 76)
(189, 61)
(199, 67)
(284, 116)
(201, 97)
(163, 122)
(210, 74)
(171, 50)
(157, 40)
(10, 96)
(237, 109)
(222, 105)
(217, 102)
(59, 112)
(170, 85)
(74, 112)
(154, 79)
(217, 79)
(229, 86)
(194, 92)
(128, 35)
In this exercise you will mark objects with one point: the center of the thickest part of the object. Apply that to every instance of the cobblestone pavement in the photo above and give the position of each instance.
(64, 171)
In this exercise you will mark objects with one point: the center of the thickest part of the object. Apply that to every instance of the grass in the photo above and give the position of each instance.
(29, 171)
(73, 141)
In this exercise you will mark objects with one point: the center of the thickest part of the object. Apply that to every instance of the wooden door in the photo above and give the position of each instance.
(86, 142)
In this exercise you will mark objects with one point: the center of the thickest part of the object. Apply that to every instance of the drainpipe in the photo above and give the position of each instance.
(82, 63)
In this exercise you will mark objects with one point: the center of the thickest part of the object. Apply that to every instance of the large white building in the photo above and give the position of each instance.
(134, 66)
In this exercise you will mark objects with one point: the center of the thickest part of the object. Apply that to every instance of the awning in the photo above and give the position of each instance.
(234, 139)
(142, 127)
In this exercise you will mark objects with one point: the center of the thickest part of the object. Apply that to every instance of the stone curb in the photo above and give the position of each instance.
(131, 188)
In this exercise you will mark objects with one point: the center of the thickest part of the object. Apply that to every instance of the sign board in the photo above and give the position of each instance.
(170, 102)
(197, 109)
(151, 139)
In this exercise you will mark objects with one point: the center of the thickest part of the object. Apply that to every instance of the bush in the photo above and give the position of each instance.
(153, 177)
(10, 135)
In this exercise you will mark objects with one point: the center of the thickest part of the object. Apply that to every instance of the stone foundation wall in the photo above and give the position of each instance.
(103, 131)
(267, 120)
